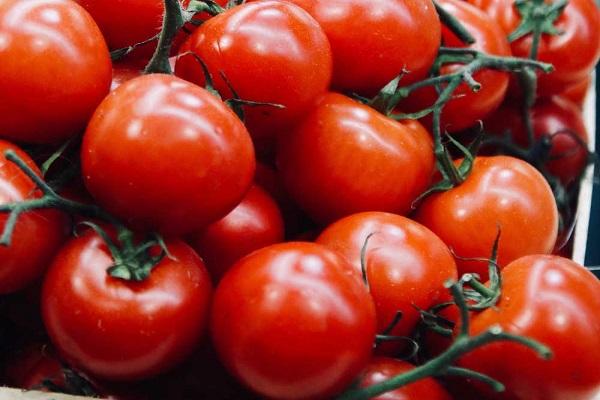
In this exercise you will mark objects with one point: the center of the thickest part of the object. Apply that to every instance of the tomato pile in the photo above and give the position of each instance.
(296, 199)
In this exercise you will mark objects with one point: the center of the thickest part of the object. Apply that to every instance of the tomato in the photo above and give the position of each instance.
(255, 223)
(292, 321)
(38, 234)
(381, 369)
(554, 301)
(467, 106)
(269, 51)
(574, 53)
(407, 265)
(578, 91)
(500, 193)
(30, 367)
(165, 154)
(123, 72)
(364, 37)
(121, 330)
(345, 157)
(55, 70)
(556, 117)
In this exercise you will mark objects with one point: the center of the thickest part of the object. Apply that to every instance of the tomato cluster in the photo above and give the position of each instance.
(295, 199)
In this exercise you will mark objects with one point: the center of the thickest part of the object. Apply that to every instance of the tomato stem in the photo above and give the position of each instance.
(173, 21)
(454, 25)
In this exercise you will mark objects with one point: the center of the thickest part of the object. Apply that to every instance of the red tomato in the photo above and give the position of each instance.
(467, 107)
(34, 364)
(55, 69)
(554, 301)
(500, 193)
(365, 37)
(255, 223)
(38, 234)
(578, 91)
(381, 369)
(269, 51)
(407, 265)
(184, 159)
(291, 321)
(123, 72)
(345, 157)
(561, 120)
(119, 330)
(573, 53)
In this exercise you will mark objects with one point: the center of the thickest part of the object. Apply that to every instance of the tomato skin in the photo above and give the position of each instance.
(554, 301)
(573, 54)
(369, 31)
(577, 92)
(292, 321)
(141, 183)
(381, 369)
(549, 116)
(119, 330)
(467, 107)
(255, 223)
(52, 53)
(407, 265)
(123, 72)
(500, 193)
(245, 44)
(345, 157)
(38, 234)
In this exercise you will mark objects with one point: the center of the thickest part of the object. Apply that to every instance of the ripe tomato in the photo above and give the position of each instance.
(574, 53)
(554, 301)
(381, 369)
(577, 92)
(120, 330)
(364, 37)
(467, 107)
(269, 51)
(556, 117)
(38, 234)
(123, 72)
(31, 366)
(292, 321)
(407, 265)
(165, 154)
(500, 193)
(55, 69)
(255, 223)
(345, 157)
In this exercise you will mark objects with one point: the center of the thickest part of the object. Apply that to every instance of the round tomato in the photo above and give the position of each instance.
(167, 155)
(574, 53)
(269, 51)
(501, 193)
(554, 301)
(467, 106)
(123, 72)
(292, 321)
(55, 69)
(381, 369)
(407, 265)
(556, 118)
(345, 157)
(365, 37)
(578, 91)
(38, 234)
(120, 330)
(255, 223)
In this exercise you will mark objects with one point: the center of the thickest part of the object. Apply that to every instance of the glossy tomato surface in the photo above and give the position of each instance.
(501, 193)
(55, 70)
(407, 265)
(345, 157)
(269, 51)
(467, 106)
(167, 155)
(122, 330)
(292, 321)
(574, 53)
(554, 301)
(255, 223)
(577, 92)
(365, 37)
(381, 369)
(555, 118)
(38, 234)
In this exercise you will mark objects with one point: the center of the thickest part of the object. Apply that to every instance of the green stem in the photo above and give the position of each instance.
(478, 286)
(454, 25)
(173, 21)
